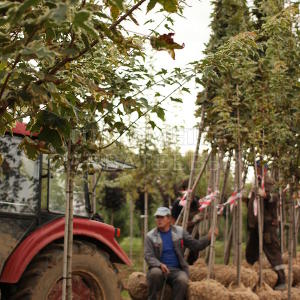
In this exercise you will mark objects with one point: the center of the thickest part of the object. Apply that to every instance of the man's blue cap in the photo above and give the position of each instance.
(162, 211)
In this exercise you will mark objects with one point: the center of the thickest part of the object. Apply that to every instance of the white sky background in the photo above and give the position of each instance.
(192, 30)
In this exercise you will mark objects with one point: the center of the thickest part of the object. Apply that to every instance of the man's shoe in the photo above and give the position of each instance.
(280, 287)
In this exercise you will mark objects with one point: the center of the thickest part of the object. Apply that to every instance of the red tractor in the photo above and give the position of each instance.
(32, 232)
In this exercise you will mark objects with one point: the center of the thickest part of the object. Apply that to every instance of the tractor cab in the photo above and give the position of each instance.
(32, 204)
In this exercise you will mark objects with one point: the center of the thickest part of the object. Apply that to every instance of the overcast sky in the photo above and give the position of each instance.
(192, 30)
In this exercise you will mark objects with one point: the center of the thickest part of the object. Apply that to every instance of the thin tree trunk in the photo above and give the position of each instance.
(227, 208)
(222, 199)
(228, 246)
(234, 234)
(226, 175)
(214, 219)
(290, 265)
(294, 229)
(131, 226)
(145, 220)
(240, 216)
(281, 219)
(68, 238)
(94, 180)
(200, 174)
(192, 174)
(260, 225)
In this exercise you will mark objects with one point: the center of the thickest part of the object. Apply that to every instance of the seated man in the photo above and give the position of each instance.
(164, 246)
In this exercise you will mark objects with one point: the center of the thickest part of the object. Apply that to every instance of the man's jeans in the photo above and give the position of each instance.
(177, 278)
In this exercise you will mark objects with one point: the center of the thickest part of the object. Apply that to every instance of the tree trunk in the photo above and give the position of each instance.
(222, 199)
(281, 219)
(240, 216)
(192, 174)
(228, 246)
(214, 216)
(68, 238)
(145, 220)
(260, 224)
(131, 227)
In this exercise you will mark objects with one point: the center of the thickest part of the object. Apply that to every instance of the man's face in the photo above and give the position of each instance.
(163, 222)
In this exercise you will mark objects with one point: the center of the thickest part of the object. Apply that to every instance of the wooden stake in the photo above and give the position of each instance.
(145, 220)
(240, 217)
(228, 246)
(68, 238)
(260, 225)
(131, 226)
(214, 218)
(191, 179)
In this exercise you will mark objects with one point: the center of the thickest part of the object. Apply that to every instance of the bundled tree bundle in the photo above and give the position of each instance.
(137, 286)
(269, 277)
(295, 294)
(242, 293)
(265, 292)
(198, 273)
(227, 275)
(207, 290)
(296, 275)
(265, 265)
(200, 262)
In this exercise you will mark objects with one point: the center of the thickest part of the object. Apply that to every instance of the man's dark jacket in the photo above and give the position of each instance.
(180, 238)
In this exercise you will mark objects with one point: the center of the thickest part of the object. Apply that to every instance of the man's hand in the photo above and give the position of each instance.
(164, 269)
(209, 235)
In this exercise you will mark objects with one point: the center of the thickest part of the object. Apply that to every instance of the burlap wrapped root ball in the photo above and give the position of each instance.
(197, 273)
(269, 277)
(138, 288)
(265, 292)
(228, 275)
(295, 294)
(241, 293)
(285, 258)
(207, 290)
(265, 265)
(200, 262)
(296, 275)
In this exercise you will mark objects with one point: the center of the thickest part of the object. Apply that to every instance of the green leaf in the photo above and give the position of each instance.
(81, 17)
(59, 14)
(114, 11)
(85, 40)
(176, 99)
(153, 125)
(151, 5)
(160, 113)
(26, 5)
(51, 136)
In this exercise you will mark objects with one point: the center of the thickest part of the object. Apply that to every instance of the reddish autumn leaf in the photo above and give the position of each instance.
(165, 42)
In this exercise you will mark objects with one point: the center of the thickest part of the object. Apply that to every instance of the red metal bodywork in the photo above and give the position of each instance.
(20, 129)
(43, 236)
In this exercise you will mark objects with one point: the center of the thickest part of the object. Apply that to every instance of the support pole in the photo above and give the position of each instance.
(130, 226)
(145, 220)
(214, 216)
(193, 167)
(260, 225)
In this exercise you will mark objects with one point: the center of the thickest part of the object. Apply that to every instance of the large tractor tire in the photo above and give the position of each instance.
(93, 277)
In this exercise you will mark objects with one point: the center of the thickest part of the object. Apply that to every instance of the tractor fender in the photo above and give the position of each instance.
(54, 230)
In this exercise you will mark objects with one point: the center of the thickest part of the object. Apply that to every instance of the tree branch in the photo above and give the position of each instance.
(95, 42)
(143, 114)
(129, 12)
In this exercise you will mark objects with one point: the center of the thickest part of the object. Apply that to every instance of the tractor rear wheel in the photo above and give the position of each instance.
(93, 277)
